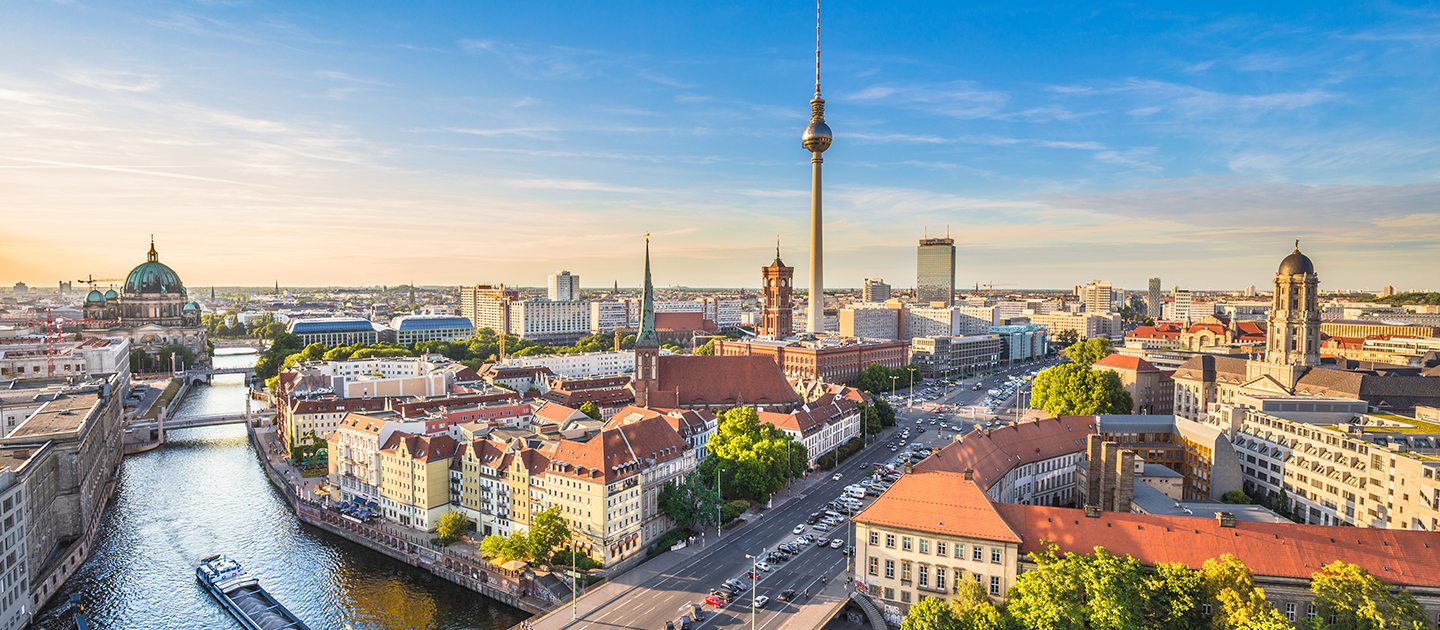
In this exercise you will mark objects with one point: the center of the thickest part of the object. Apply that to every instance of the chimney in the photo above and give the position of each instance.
(1226, 519)
(909, 468)
(969, 474)
(1092, 510)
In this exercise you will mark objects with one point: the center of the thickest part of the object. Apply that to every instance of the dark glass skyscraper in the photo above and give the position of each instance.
(935, 271)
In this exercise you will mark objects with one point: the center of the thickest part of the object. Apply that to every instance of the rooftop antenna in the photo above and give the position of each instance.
(817, 48)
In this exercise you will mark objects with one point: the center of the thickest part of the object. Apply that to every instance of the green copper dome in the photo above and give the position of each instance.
(153, 276)
(190, 306)
(95, 296)
(110, 295)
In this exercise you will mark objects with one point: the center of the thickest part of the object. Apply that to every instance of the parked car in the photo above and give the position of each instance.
(762, 566)
(799, 529)
(716, 600)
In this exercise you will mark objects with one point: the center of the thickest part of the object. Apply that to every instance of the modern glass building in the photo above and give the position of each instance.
(411, 329)
(935, 266)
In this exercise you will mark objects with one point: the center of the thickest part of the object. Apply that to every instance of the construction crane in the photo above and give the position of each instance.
(91, 280)
(990, 287)
(52, 334)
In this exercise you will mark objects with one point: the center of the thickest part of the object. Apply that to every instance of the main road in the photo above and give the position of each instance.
(670, 593)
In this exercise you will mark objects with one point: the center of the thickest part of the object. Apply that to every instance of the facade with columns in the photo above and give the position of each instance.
(153, 311)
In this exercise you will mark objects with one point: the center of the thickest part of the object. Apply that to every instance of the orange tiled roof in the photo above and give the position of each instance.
(992, 453)
(941, 502)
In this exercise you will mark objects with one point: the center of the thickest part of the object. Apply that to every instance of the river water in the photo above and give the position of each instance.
(204, 493)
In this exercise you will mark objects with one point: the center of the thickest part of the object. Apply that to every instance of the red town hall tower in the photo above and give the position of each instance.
(775, 318)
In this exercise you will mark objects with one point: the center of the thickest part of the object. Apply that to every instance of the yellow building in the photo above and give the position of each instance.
(415, 478)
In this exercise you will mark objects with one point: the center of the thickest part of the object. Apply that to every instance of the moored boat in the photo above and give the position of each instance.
(241, 594)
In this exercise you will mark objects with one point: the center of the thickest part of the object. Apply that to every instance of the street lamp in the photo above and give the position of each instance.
(893, 379)
(718, 504)
(574, 575)
(912, 387)
(754, 586)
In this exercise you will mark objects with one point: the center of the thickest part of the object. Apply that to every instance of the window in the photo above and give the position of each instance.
(959, 551)
(940, 578)
(924, 576)
(890, 540)
(995, 555)
(994, 585)
(925, 544)
(1207, 610)
(905, 543)
(1290, 612)
(874, 566)
(940, 549)
(1310, 610)
(904, 571)
(874, 538)
(905, 596)
(889, 569)
(889, 593)
(978, 554)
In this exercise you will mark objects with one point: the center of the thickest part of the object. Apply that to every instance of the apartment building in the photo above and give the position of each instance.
(1085, 325)
(945, 356)
(1336, 463)
(487, 305)
(715, 313)
(822, 425)
(354, 447)
(1022, 342)
(837, 360)
(1202, 453)
(562, 286)
(1151, 389)
(415, 478)
(870, 320)
(483, 495)
(875, 290)
(28, 358)
(584, 365)
(1028, 462)
(1096, 296)
(950, 321)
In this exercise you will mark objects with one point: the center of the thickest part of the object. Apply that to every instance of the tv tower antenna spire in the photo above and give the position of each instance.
(817, 48)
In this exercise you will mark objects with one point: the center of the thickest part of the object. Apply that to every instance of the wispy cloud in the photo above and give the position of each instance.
(341, 76)
(570, 184)
(114, 80)
(960, 99)
(545, 62)
(528, 132)
(119, 169)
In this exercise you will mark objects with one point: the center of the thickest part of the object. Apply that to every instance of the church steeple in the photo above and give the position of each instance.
(153, 256)
(647, 337)
(647, 343)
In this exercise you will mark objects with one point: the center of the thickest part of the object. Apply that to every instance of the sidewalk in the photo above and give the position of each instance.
(820, 608)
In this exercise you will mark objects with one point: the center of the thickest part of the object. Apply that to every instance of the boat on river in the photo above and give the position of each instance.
(241, 594)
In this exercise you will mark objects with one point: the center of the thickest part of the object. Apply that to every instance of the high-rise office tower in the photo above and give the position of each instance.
(1154, 302)
(876, 290)
(564, 287)
(1096, 296)
(935, 271)
(816, 139)
(1183, 299)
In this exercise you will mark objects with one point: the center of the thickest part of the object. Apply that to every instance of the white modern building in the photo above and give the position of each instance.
(586, 365)
(412, 329)
(564, 287)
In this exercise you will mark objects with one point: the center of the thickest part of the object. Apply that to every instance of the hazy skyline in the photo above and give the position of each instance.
(374, 143)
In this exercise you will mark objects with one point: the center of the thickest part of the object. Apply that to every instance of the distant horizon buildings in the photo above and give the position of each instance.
(935, 271)
(563, 287)
(1155, 300)
(875, 290)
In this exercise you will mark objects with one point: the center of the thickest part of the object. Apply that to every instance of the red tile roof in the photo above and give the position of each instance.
(617, 452)
(813, 416)
(686, 422)
(721, 381)
(992, 453)
(426, 449)
(1123, 362)
(940, 502)
(1286, 550)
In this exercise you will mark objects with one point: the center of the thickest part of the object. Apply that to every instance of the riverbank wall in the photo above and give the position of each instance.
(513, 588)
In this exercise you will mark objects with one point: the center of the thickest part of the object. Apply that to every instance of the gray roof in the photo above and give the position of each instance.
(1136, 424)
(1153, 501)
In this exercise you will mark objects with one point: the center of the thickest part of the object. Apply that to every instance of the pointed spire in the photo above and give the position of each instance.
(1297, 244)
(647, 337)
(154, 256)
(817, 49)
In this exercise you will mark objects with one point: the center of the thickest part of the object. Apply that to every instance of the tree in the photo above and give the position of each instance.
(1102, 590)
(270, 330)
(1236, 497)
(1359, 601)
(707, 350)
(502, 549)
(758, 459)
(689, 503)
(930, 613)
(1087, 352)
(871, 419)
(451, 527)
(140, 361)
(1067, 337)
(1174, 596)
(1050, 597)
(163, 359)
(1242, 604)
(973, 610)
(1072, 389)
(547, 530)
(591, 410)
(883, 411)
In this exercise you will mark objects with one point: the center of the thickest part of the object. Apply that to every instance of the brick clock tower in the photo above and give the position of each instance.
(647, 343)
(775, 319)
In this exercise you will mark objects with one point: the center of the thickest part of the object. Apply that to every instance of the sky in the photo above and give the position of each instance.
(366, 143)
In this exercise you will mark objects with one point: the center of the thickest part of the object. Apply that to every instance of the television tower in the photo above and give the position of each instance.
(816, 139)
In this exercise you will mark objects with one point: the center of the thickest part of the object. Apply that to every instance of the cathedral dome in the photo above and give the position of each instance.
(94, 297)
(190, 306)
(110, 295)
(1296, 263)
(152, 276)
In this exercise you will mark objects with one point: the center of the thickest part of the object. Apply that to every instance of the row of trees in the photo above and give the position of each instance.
(1075, 389)
(1102, 591)
(140, 360)
(1429, 298)
(548, 530)
(876, 379)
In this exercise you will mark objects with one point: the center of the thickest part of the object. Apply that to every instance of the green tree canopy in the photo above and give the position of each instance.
(1242, 604)
(757, 459)
(1067, 337)
(1071, 389)
(591, 410)
(1359, 601)
(690, 503)
(1087, 352)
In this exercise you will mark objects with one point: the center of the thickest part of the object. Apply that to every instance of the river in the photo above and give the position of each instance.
(205, 493)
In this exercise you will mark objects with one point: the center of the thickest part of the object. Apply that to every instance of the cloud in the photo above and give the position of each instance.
(341, 76)
(960, 99)
(114, 80)
(118, 169)
(545, 62)
(527, 132)
(651, 75)
(570, 184)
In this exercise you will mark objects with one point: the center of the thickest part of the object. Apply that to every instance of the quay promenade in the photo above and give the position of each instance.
(460, 563)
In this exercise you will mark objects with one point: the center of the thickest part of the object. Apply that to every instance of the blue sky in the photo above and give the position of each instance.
(447, 143)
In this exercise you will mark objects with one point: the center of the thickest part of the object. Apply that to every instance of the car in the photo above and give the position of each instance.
(809, 537)
(754, 575)
(864, 465)
(741, 586)
(716, 600)
(836, 476)
(761, 601)
(837, 543)
(799, 529)
(669, 625)
(684, 622)
(762, 566)
(787, 595)
(801, 541)
(892, 449)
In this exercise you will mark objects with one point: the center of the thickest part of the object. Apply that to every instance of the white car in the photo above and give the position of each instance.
(801, 541)
(837, 543)
(761, 601)
(836, 477)
(763, 566)
(799, 529)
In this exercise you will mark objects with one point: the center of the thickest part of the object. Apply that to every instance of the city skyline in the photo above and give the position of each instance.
(345, 149)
